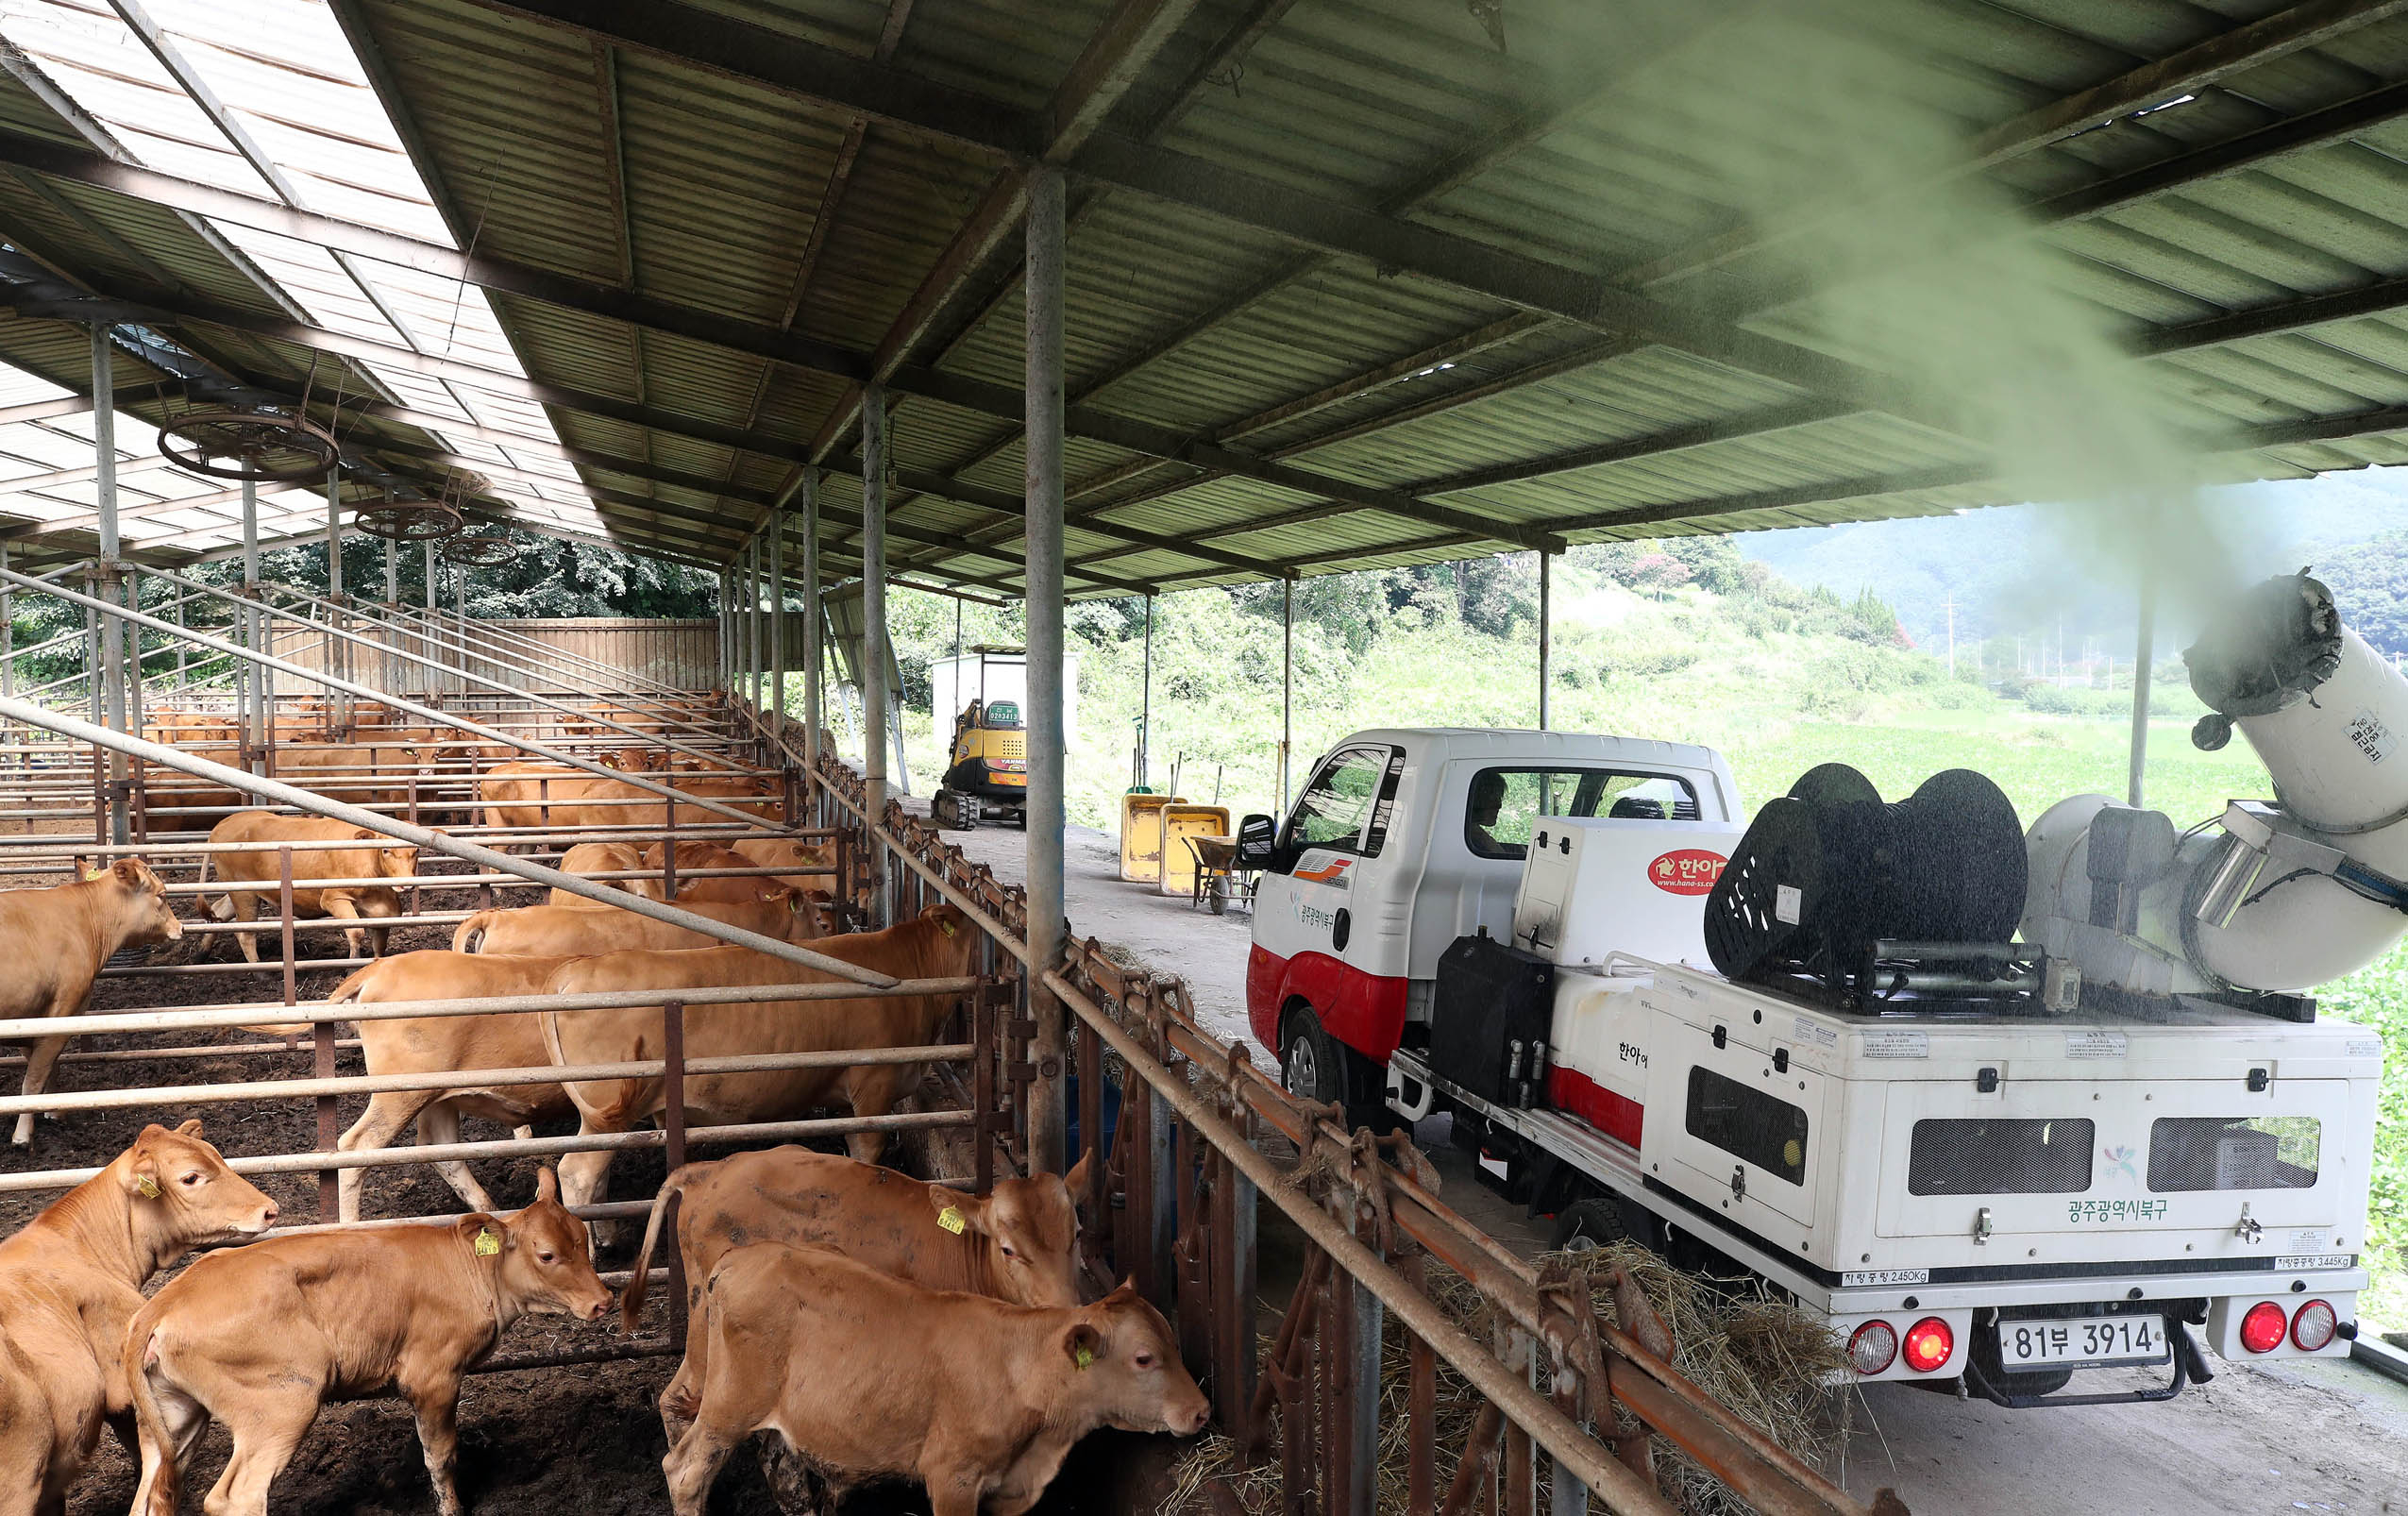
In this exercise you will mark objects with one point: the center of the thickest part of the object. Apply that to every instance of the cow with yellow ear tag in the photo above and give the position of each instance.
(72, 1278)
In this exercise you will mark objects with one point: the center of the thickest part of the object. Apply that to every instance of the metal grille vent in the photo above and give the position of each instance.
(1999, 1158)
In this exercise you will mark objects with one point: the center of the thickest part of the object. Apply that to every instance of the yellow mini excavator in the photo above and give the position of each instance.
(987, 773)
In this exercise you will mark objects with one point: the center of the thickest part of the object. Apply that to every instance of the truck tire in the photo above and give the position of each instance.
(1312, 1062)
(1589, 1224)
(1320, 1067)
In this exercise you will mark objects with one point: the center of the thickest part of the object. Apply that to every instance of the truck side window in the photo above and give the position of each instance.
(1504, 804)
(1333, 808)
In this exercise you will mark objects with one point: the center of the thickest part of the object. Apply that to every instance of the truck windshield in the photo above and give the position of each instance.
(1504, 804)
(1331, 812)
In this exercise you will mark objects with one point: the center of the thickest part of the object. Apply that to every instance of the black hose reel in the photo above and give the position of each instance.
(1834, 887)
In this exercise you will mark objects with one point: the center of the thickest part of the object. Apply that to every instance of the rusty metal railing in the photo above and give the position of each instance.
(1187, 1171)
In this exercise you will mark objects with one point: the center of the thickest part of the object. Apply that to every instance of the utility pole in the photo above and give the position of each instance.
(1952, 635)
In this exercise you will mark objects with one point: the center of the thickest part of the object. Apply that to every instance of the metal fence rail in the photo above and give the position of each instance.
(1185, 1173)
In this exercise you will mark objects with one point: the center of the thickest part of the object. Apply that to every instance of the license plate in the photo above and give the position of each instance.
(2082, 1341)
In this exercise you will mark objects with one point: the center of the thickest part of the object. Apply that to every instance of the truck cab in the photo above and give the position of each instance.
(1404, 839)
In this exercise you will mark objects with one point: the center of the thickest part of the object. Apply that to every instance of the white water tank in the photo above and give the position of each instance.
(1596, 886)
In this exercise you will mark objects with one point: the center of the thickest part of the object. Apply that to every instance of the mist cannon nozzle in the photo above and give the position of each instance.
(2281, 640)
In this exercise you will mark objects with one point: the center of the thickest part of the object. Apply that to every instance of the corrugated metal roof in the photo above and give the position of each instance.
(1257, 392)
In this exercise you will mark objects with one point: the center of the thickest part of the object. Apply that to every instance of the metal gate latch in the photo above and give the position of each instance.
(1981, 1226)
(1739, 1183)
(2249, 1230)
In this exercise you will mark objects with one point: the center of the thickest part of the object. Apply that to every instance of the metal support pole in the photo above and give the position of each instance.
(873, 624)
(2144, 657)
(778, 621)
(111, 634)
(426, 648)
(255, 677)
(753, 659)
(392, 608)
(338, 658)
(8, 631)
(1042, 404)
(812, 617)
(1145, 708)
(1287, 682)
(1543, 623)
(727, 591)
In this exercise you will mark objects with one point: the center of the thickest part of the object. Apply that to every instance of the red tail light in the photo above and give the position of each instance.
(2313, 1327)
(2263, 1329)
(1928, 1344)
(1873, 1348)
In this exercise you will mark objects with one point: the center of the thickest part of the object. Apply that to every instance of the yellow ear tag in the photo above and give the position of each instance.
(488, 1243)
(946, 927)
(91, 874)
(1085, 1356)
(950, 1219)
(145, 1187)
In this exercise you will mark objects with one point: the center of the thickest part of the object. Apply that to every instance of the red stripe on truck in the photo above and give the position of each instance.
(1576, 1094)
(1364, 1011)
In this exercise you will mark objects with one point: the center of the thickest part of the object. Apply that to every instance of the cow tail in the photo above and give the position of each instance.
(157, 1449)
(469, 937)
(345, 994)
(639, 1280)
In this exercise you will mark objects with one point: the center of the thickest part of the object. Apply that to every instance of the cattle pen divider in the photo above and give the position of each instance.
(1176, 1202)
(1198, 1161)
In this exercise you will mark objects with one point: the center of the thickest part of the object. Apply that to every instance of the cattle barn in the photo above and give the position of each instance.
(1019, 303)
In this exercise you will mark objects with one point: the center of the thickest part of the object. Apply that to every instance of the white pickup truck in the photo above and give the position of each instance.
(1976, 1167)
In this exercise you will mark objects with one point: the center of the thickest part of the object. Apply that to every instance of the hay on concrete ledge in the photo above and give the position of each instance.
(1777, 1369)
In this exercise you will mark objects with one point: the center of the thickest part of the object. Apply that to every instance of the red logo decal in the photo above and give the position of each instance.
(1689, 872)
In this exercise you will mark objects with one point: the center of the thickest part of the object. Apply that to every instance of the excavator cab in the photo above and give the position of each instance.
(986, 767)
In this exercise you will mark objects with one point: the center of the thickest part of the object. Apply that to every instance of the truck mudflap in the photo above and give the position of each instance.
(1985, 1375)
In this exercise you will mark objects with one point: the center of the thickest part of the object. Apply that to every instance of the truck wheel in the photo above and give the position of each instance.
(1312, 1064)
(1586, 1225)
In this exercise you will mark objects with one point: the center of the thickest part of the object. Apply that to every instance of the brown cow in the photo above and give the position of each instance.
(791, 853)
(589, 927)
(1018, 1242)
(434, 1044)
(867, 1377)
(348, 902)
(72, 1277)
(692, 855)
(539, 795)
(938, 944)
(260, 1337)
(57, 940)
(599, 858)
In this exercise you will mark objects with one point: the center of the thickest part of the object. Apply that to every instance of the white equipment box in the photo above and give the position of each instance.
(1642, 885)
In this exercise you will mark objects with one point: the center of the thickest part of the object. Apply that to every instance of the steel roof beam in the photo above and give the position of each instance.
(838, 78)
(170, 310)
(1106, 67)
(739, 335)
(2197, 67)
(705, 484)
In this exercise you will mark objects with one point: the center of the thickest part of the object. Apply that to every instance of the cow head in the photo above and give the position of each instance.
(542, 1258)
(398, 862)
(1030, 1229)
(1125, 1368)
(138, 897)
(953, 940)
(183, 1194)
